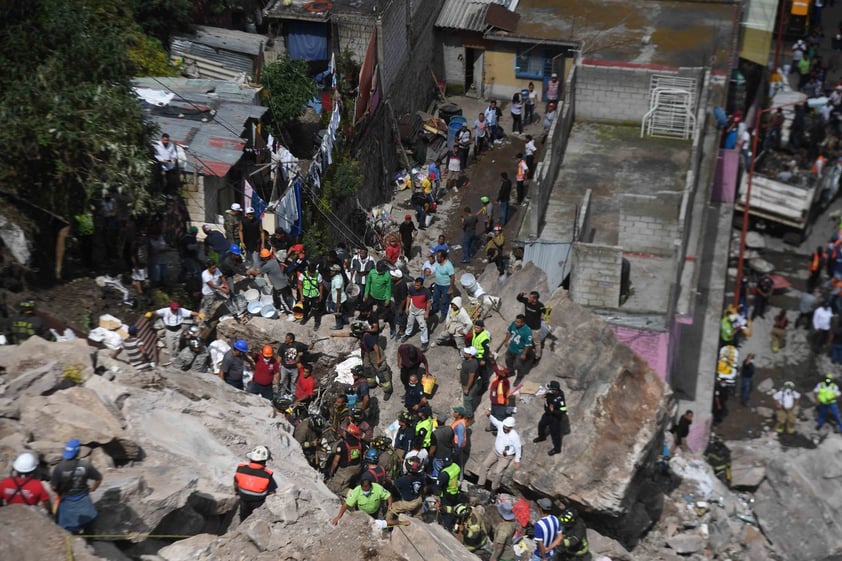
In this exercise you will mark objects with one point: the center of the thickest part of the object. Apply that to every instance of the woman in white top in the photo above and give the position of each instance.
(531, 100)
(517, 110)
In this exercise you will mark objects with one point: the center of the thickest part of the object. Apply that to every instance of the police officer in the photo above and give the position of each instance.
(253, 481)
(27, 323)
(554, 418)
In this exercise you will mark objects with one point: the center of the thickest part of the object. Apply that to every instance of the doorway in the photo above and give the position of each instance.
(473, 71)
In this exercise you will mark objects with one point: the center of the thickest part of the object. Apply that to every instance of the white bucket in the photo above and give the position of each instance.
(468, 282)
(251, 294)
(268, 312)
(267, 300)
(254, 308)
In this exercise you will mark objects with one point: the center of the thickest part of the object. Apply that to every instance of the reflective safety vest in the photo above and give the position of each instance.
(452, 472)
(473, 534)
(453, 426)
(827, 393)
(378, 473)
(426, 424)
(310, 286)
(253, 479)
(478, 340)
(353, 453)
(815, 262)
(499, 394)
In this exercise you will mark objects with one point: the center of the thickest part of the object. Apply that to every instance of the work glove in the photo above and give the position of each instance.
(148, 315)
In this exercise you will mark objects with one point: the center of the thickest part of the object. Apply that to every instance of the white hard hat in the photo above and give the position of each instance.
(259, 454)
(25, 463)
(236, 206)
(250, 210)
(509, 422)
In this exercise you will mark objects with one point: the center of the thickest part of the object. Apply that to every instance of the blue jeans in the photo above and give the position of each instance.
(441, 299)
(745, 389)
(504, 213)
(836, 353)
(467, 245)
(833, 408)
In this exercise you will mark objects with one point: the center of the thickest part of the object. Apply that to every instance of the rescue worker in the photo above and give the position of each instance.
(267, 373)
(192, 332)
(763, 290)
(358, 418)
(554, 418)
(368, 497)
(312, 294)
(308, 434)
(425, 426)
(441, 447)
(231, 222)
(448, 486)
(827, 392)
(389, 459)
(499, 393)
(572, 541)
(414, 398)
(172, 317)
(23, 487)
(786, 405)
(194, 357)
(347, 460)
(231, 265)
(409, 488)
(405, 435)
(26, 324)
(507, 450)
(253, 481)
(340, 415)
(361, 390)
(504, 529)
(373, 467)
(457, 325)
(494, 249)
(469, 526)
(481, 342)
(233, 363)
(76, 511)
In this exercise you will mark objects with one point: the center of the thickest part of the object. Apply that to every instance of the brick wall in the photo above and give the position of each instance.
(649, 223)
(618, 93)
(595, 277)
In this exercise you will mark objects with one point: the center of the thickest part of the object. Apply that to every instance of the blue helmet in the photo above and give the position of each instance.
(235, 249)
(372, 456)
(241, 346)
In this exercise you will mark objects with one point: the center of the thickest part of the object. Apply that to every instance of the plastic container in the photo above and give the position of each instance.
(255, 307)
(448, 111)
(269, 312)
(428, 383)
(453, 128)
(251, 295)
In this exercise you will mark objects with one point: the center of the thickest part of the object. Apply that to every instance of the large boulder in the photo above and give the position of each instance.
(800, 501)
(39, 367)
(618, 409)
(30, 535)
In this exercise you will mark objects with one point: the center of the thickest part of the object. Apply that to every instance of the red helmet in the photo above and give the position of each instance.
(354, 431)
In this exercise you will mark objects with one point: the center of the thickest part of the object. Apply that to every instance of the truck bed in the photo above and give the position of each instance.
(779, 202)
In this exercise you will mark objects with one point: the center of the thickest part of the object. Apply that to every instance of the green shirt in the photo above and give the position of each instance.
(378, 285)
(519, 338)
(370, 503)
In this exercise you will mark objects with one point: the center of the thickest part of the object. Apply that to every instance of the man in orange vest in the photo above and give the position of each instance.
(818, 261)
(499, 391)
(253, 481)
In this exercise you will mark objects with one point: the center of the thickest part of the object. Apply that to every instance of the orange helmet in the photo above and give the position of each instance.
(268, 351)
(265, 254)
(354, 431)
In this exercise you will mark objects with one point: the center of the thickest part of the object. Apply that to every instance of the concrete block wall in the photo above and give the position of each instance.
(394, 41)
(618, 93)
(353, 32)
(452, 48)
(413, 87)
(595, 275)
(649, 223)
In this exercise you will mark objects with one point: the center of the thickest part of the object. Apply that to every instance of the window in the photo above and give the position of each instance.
(529, 64)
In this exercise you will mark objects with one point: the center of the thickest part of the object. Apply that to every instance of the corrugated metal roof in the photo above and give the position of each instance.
(229, 60)
(469, 15)
(213, 142)
(227, 39)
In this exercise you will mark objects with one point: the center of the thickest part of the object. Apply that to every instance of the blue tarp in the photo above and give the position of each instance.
(307, 40)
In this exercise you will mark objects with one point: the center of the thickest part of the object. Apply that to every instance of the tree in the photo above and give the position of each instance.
(72, 127)
(288, 89)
